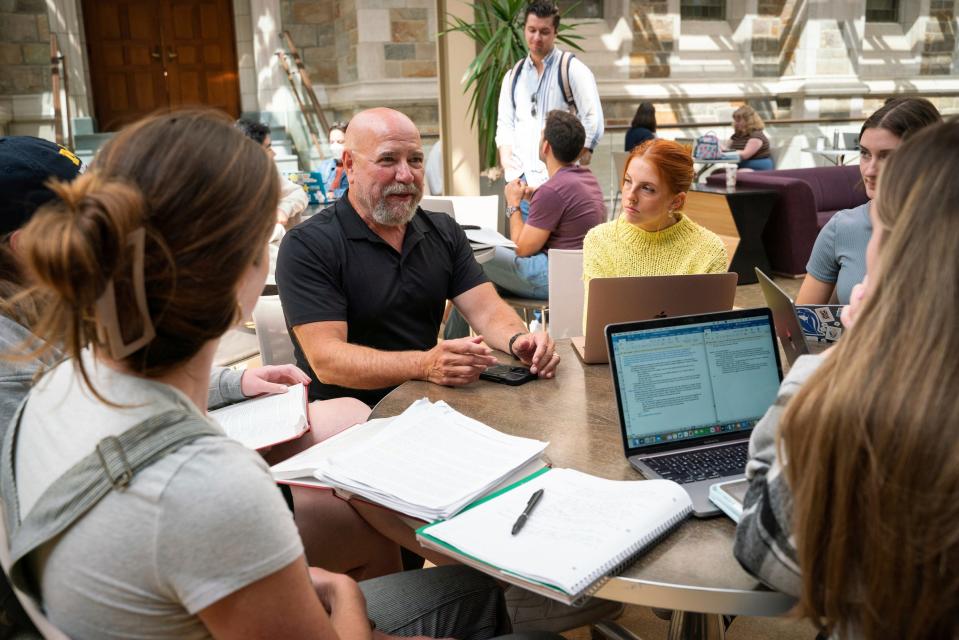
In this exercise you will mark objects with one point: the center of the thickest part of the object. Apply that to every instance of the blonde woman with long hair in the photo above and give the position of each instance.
(853, 502)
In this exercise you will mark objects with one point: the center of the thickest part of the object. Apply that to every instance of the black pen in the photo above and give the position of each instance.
(521, 520)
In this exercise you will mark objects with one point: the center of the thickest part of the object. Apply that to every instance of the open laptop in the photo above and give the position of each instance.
(690, 390)
(631, 298)
(784, 316)
(801, 329)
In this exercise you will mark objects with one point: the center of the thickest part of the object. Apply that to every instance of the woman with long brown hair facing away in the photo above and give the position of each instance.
(853, 502)
(140, 266)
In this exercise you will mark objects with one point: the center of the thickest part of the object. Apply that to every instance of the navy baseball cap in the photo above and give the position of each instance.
(26, 163)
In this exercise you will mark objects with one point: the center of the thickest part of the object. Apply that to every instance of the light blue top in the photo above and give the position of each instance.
(839, 255)
(327, 170)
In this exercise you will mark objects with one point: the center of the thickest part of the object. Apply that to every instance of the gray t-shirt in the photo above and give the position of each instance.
(191, 529)
(839, 255)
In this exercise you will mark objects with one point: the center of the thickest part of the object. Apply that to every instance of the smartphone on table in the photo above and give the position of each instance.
(512, 375)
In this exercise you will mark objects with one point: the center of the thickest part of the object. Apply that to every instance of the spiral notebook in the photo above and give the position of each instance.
(583, 530)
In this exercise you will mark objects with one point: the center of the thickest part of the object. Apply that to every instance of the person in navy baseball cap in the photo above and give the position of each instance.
(26, 165)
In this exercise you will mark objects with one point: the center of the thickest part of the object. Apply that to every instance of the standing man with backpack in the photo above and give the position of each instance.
(546, 79)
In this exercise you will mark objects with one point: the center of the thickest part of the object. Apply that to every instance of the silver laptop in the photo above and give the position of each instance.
(689, 392)
(644, 297)
(784, 316)
(801, 329)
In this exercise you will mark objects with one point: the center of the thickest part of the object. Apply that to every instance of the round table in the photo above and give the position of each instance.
(692, 570)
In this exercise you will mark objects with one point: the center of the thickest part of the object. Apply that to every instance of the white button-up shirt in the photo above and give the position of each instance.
(522, 130)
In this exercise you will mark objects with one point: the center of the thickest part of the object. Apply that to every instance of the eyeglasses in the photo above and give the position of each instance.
(532, 110)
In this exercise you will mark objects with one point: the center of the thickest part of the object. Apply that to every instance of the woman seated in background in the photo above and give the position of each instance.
(643, 127)
(140, 266)
(852, 503)
(838, 259)
(652, 237)
(749, 140)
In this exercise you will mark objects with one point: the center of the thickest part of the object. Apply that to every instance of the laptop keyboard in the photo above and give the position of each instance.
(701, 464)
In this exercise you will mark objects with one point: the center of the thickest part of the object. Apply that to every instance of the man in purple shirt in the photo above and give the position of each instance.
(561, 211)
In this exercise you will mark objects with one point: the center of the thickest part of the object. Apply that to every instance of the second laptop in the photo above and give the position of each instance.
(628, 299)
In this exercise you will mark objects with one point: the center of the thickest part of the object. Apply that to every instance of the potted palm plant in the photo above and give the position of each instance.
(498, 33)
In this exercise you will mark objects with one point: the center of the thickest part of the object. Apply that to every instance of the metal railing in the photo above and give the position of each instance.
(307, 103)
(61, 106)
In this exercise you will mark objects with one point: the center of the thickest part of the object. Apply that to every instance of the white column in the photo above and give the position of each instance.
(454, 52)
(272, 91)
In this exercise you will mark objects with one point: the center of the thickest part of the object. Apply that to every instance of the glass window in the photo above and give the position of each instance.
(702, 9)
(581, 8)
(882, 10)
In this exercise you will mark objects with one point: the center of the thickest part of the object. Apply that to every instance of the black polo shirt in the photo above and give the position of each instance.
(333, 267)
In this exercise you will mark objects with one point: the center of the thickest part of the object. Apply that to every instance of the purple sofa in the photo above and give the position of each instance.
(808, 198)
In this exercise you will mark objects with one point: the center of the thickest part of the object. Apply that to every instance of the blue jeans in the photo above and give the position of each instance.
(526, 277)
(452, 601)
(757, 164)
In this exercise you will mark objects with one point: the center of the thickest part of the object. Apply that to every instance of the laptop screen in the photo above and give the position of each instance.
(693, 377)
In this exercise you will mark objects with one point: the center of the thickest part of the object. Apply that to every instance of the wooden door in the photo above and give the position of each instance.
(200, 53)
(126, 69)
(152, 54)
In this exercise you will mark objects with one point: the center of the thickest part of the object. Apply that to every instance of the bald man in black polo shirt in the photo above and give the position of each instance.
(364, 283)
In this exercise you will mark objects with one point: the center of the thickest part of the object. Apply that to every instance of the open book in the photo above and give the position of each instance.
(583, 530)
(429, 463)
(267, 420)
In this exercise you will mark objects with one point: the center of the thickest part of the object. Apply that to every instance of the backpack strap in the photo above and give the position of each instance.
(111, 466)
(514, 79)
(562, 76)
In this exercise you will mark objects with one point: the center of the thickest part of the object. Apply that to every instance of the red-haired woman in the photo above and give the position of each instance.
(652, 237)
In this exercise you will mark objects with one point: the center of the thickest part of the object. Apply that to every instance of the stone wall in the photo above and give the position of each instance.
(939, 43)
(24, 47)
(653, 38)
(317, 28)
(362, 40)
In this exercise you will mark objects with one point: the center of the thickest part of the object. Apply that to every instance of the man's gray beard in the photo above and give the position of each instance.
(382, 214)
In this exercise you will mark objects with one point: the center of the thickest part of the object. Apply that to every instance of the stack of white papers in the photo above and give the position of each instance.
(430, 462)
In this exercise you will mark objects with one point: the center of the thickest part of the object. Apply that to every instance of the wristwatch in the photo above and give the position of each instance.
(510, 210)
(511, 341)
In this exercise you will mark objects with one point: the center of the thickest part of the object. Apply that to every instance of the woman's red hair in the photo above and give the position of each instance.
(672, 160)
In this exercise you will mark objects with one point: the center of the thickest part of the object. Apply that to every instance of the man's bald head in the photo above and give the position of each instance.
(375, 124)
(383, 158)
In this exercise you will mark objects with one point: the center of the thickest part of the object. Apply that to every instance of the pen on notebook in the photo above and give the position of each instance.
(523, 517)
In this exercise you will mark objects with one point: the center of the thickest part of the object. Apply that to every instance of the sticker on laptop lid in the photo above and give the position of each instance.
(820, 322)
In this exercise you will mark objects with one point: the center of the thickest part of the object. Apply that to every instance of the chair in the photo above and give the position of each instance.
(525, 305)
(482, 211)
(439, 204)
(619, 166)
(276, 347)
(566, 293)
(808, 198)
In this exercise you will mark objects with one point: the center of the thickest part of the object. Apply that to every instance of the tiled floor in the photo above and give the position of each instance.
(641, 621)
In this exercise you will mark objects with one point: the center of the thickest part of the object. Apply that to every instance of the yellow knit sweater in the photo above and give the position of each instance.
(618, 248)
